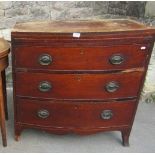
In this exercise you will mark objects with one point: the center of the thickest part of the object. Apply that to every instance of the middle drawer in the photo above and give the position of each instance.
(78, 86)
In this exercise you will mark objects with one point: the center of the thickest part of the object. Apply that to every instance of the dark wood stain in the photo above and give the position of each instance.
(78, 86)
(78, 74)
(69, 114)
(75, 58)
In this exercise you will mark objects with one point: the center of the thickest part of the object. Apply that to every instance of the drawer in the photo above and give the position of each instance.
(78, 86)
(75, 114)
(96, 58)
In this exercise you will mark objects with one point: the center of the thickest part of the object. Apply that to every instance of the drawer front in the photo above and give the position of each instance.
(78, 86)
(98, 58)
(75, 114)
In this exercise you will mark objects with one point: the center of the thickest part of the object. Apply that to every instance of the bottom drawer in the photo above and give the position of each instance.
(74, 114)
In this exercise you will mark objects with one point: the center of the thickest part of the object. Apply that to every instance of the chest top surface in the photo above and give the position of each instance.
(107, 25)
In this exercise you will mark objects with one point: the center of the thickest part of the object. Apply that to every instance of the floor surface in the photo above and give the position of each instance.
(142, 137)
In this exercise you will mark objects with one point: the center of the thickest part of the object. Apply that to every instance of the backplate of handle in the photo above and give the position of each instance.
(112, 86)
(45, 59)
(45, 86)
(43, 113)
(116, 59)
(106, 114)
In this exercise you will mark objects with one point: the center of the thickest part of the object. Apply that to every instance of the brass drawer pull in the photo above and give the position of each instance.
(45, 86)
(45, 59)
(106, 114)
(43, 113)
(112, 86)
(116, 59)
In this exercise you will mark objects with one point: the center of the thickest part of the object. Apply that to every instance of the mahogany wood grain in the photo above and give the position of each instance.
(69, 114)
(5, 94)
(78, 86)
(95, 58)
(66, 130)
(2, 114)
(89, 40)
(79, 80)
(104, 25)
(4, 50)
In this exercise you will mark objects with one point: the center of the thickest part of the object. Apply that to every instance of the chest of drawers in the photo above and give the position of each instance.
(79, 76)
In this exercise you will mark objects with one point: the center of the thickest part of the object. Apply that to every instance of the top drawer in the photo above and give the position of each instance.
(97, 58)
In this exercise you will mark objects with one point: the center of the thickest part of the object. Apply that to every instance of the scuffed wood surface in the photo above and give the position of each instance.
(4, 47)
(107, 25)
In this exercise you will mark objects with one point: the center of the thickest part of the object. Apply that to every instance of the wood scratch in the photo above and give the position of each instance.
(142, 69)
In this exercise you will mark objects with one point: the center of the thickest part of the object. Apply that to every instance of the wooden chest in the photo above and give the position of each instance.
(79, 76)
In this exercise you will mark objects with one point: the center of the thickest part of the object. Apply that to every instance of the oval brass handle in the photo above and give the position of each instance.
(106, 114)
(112, 86)
(45, 59)
(43, 113)
(45, 86)
(116, 59)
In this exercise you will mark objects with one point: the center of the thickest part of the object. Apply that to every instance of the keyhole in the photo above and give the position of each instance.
(78, 78)
(81, 52)
(76, 107)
